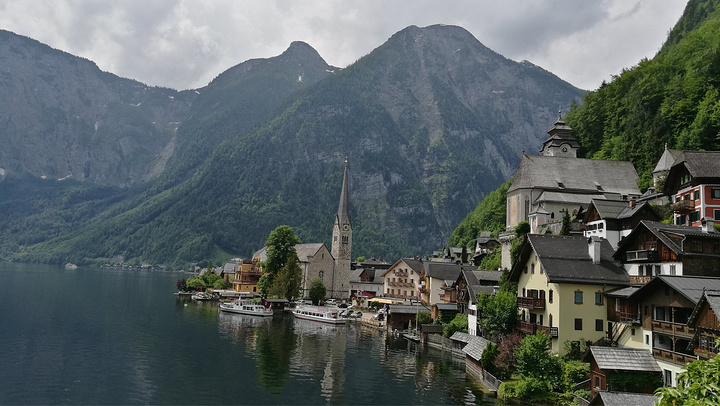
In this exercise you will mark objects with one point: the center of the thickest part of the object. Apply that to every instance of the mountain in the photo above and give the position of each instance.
(672, 99)
(431, 121)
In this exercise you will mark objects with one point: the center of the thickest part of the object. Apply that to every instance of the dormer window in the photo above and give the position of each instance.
(560, 184)
(598, 186)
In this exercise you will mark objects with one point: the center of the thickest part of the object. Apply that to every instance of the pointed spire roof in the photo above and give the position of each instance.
(343, 211)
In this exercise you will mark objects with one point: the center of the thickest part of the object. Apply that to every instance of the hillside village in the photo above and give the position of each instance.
(614, 278)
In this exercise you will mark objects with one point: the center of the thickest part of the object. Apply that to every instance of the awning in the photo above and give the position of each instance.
(388, 301)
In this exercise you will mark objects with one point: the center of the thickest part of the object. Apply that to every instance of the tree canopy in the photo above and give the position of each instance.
(280, 248)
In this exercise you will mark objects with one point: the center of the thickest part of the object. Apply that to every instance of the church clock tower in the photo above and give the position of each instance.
(342, 244)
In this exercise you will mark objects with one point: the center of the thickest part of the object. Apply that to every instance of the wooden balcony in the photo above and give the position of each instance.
(674, 329)
(683, 206)
(532, 328)
(627, 317)
(673, 357)
(642, 256)
(531, 303)
(704, 355)
(639, 280)
(401, 284)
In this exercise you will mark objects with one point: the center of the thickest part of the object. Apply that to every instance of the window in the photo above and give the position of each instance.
(598, 324)
(715, 194)
(550, 296)
(541, 269)
(672, 270)
(632, 331)
(532, 268)
(695, 216)
(716, 214)
(657, 270)
(647, 339)
(696, 195)
(578, 297)
(680, 220)
(686, 197)
(599, 299)
(596, 382)
(578, 324)
(320, 274)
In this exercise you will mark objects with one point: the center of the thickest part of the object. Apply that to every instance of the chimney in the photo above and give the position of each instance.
(708, 225)
(594, 244)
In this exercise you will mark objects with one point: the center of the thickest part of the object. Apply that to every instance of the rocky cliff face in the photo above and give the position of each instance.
(62, 117)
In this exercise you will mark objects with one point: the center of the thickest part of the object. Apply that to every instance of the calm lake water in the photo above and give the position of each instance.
(102, 336)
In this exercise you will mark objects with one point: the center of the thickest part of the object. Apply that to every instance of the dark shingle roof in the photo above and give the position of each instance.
(700, 164)
(623, 359)
(692, 287)
(307, 250)
(404, 309)
(544, 172)
(662, 231)
(616, 209)
(460, 336)
(713, 300)
(475, 347)
(444, 270)
(622, 292)
(623, 399)
(567, 259)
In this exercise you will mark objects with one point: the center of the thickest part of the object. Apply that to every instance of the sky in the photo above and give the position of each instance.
(184, 44)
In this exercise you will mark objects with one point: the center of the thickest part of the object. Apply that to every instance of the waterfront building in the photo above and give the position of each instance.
(403, 279)
(609, 364)
(561, 285)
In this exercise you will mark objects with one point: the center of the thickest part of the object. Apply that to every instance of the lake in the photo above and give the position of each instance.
(107, 336)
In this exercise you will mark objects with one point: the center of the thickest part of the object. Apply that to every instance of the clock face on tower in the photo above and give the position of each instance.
(345, 227)
(564, 150)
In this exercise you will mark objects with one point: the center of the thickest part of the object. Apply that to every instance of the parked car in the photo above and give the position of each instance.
(331, 302)
(343, 305)
(355, 315)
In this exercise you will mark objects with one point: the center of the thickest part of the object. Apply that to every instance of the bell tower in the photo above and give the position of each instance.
(342, 243)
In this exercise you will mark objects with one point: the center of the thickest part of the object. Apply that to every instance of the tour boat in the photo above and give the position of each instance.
(246, 307)
(330, 315)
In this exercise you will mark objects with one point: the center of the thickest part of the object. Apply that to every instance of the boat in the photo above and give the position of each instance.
(329, 315)
(202, 296)
(248, 307)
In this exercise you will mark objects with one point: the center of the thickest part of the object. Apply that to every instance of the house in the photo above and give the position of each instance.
(451, 254)
(705, 319)
(623, 399)
(615, 219)
(316, 262)
(469, 284)
(438, 281)
(561, 285)
(485, 244)
(654, 248)
(403, 279)
(665, 305)
(473, 351)
(247, 275)
(546, 186)
(624, 327)
(610, 368)
(693, 182)
(403, 317)
(444, 311)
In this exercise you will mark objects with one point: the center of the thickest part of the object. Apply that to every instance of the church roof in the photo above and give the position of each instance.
(667, 159)
(576, 175)
(343, 213)
(307, 250)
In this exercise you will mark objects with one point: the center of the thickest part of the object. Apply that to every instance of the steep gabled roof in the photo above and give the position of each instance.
(444, 270)
(623, 399)
(700, 164)
(667, 160)
(575, 174)
(304, 251)
(414, 264)
(712, 298)
(663, 232)
(566, 259)
(691, 287)
(475, 347)
(617, 209)
(622, 359)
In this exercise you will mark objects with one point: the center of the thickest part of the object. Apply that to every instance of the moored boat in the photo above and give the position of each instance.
(248, 307)
(330, 315)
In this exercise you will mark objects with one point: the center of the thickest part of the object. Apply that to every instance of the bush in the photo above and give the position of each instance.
(488, 358)
(424, 318)
(459, 323)
(534, 360)
(195, 284)
(505, 359)
(181, 285)
(528, 389)
(574, 372)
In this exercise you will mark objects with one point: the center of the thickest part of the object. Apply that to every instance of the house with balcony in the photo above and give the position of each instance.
(610, 366)
(665, 305)
(247, 275)
(655, 248)
(561, 285)
(624, 328)
(693, 183)
(403, 280)
(485, 244)
(615, 219)
(438, 281)
(705, 319)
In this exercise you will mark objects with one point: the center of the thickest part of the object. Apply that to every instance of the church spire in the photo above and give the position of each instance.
(343, 212)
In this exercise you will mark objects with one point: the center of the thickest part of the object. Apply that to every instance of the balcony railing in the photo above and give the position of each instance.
(402, 284)
(627, 317)
(531, 303)
(639, 280)
(683, 206)
(676, 329)
(673, 357)
(532, 328)
(642, 255)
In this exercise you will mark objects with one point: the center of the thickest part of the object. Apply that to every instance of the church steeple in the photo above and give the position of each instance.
(342, 242)
(560, 141)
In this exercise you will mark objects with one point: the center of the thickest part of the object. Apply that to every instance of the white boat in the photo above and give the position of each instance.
(248, 307)
(330, 315)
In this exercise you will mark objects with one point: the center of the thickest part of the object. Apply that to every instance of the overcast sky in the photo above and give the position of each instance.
(184, 44)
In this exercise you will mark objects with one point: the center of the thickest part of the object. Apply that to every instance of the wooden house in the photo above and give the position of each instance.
(610, 369)
(705, 319)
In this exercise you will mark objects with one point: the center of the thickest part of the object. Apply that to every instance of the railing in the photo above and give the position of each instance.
(642, 255)
(532, 328)
(627, 317)
(673, 357)
(401, 272)
(676, 329)
(531, 303)
(704, 354)
(639, 280)
(402, 284)
(683, 206)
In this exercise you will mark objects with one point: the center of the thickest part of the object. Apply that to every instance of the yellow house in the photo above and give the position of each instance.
(247, 275)
(561, 285)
